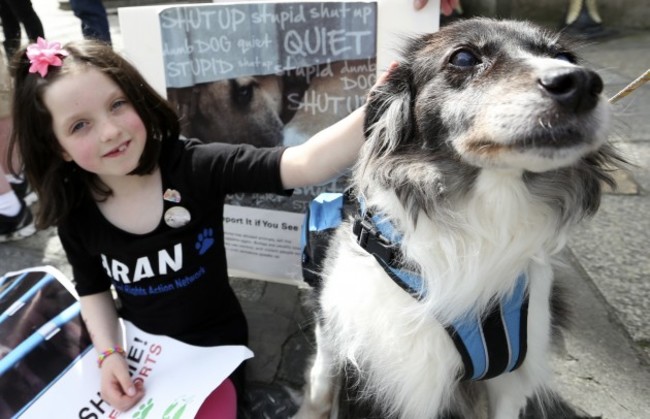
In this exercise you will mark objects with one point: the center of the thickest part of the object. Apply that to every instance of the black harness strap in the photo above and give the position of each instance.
(489, 346)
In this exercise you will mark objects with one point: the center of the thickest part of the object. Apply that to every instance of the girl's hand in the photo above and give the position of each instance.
(384, 76)
(382, 79)
(446, 6)
(116, 386)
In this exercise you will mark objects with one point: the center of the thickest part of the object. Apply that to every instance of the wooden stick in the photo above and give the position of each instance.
(631, 87)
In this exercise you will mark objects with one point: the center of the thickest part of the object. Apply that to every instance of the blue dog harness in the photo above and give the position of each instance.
(489, 345)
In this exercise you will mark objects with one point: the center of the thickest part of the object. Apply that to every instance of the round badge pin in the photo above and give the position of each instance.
(176, 217)
(172, 195)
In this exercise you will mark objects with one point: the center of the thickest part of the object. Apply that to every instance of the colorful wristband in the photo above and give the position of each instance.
(117, 349)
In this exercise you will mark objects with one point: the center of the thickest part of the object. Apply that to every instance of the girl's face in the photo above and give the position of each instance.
(96, 125)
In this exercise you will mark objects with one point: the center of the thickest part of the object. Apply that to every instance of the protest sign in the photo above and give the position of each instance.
(48, 365)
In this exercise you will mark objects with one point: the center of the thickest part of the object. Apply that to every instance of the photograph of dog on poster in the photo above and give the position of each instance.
(271, 110)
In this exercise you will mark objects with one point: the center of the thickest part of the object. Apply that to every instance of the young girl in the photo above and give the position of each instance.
(141, 210)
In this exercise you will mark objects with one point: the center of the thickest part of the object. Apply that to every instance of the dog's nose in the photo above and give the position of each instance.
(575, 89)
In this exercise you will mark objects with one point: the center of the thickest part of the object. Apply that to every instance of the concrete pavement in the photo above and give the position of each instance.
(604, 365)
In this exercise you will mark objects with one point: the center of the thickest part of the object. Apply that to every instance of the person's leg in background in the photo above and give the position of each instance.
(94, 20)
(16, 220)
(10, 29)
(23, 12)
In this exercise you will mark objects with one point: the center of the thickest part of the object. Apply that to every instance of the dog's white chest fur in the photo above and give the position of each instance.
(492, 240)
(464, 267)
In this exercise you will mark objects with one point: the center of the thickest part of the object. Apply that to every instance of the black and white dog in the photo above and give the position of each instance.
(484, 147)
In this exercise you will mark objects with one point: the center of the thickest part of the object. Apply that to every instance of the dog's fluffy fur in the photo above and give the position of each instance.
(484, 147)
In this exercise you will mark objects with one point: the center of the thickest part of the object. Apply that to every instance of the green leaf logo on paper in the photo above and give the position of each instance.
(143, 410)
(175, 410)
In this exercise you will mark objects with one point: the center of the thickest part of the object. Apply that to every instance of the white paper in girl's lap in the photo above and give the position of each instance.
(177, 378)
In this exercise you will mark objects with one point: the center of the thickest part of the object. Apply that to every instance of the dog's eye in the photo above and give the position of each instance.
(245, 93)
(242, 94)
(464, 58)
(565, 56)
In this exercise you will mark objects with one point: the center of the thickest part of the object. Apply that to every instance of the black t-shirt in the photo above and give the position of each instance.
(173, 281)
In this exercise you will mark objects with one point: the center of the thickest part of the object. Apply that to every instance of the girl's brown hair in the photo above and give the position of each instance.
(62, 185)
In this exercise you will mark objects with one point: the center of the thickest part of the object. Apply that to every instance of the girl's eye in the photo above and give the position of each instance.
(77, 126)
(464, 58)
(119, 103)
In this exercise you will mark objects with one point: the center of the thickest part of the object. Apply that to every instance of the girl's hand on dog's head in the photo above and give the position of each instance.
(383, 77)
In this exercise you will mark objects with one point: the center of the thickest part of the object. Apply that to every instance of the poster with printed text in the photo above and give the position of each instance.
(48, 365)
(269, 74)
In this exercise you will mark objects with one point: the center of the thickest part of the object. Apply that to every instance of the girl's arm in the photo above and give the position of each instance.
(100, 316)
(324, 156)
(330, 152)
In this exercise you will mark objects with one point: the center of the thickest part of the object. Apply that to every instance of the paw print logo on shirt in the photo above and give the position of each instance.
(205, 240)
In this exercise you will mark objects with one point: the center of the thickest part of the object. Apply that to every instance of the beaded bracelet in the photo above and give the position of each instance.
(117, 349)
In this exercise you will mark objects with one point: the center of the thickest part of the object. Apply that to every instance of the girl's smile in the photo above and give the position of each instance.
(118, 150)
(96, 125)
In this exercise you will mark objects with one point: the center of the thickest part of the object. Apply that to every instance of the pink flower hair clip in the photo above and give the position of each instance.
(43, 54)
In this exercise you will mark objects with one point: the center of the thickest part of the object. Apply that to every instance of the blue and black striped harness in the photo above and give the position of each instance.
(489, 345)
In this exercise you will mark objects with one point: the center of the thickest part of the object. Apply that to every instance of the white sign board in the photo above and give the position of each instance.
(268, 73)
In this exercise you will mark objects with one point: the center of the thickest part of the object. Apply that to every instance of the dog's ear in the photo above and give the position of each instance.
(388, 111)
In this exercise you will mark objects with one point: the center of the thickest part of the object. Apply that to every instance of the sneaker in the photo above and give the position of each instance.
(24, 191)
(17, 227)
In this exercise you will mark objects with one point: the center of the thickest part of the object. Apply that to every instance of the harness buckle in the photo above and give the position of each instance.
(362, 231)
(371, 240)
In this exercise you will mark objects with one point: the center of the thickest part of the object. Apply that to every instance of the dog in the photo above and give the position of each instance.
(484, 147)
